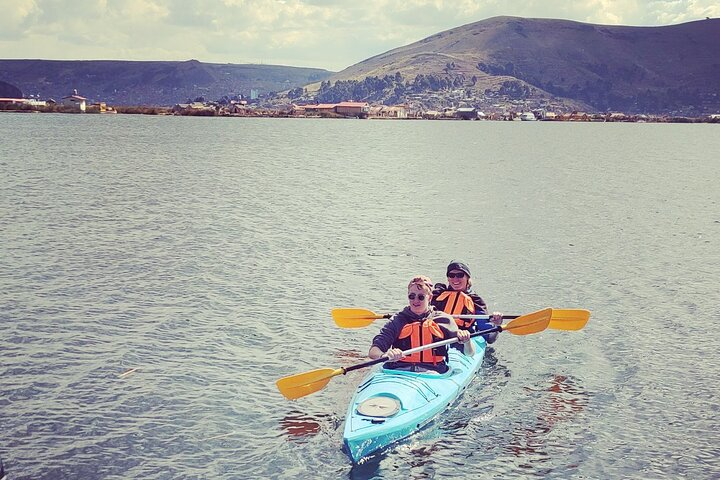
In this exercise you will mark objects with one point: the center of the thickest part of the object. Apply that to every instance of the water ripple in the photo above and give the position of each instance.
(159, 274)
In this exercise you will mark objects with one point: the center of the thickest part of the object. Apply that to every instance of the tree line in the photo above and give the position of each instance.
(388, 89)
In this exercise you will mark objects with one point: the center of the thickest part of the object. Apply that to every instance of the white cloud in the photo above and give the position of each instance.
(15, 16)
(679, 11)
(329, 34)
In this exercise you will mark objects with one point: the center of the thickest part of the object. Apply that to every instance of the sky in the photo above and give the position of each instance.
(329, 34)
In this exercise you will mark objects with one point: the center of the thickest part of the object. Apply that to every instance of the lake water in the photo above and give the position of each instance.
(206, 253)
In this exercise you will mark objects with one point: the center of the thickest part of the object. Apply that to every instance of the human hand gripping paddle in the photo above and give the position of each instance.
(562, 318)
(303, 384)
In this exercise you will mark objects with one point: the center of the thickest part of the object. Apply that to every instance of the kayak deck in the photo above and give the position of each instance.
(397, 403)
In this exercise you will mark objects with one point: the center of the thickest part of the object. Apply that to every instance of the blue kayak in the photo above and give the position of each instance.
(390, 405)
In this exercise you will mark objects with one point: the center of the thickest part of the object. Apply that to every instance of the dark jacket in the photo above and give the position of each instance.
(480, 309)
(391, 331)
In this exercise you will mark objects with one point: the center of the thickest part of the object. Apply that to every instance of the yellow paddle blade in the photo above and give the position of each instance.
(569, 319)
(302, 384)
(354, 317)
(531, 323)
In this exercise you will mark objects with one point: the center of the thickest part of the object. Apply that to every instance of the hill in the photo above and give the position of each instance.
(151, 83)
(546, 62)
(9, 91)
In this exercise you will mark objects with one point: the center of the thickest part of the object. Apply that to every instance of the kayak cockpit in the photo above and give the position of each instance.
(379, 406)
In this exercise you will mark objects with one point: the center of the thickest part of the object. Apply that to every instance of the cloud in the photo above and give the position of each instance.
(679, 11)
(329, 34)
(16, 14)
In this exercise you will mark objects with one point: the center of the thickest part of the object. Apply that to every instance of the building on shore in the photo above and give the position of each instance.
(466, 113)
(13, 101)
(75, 101)
(319, 109)
(352, 109)
(31, 102)
(342, 109)
(388, 111)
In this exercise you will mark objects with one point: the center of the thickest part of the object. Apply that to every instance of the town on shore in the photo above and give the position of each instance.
(75, 103)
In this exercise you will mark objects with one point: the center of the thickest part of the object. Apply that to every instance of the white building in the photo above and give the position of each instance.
(75, 101)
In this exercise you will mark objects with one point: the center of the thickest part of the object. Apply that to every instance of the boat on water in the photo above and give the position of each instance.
(390, 405)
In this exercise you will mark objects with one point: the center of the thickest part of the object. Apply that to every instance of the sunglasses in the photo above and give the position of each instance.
(456, 275)
(420, 296)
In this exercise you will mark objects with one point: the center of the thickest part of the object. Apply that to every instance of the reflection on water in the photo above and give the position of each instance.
(422, 454)
(298, 425)
(352, 355)
(565, 400)
(560, 402)
(492, 370)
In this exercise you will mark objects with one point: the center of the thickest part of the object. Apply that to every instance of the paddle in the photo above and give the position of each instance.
(355, 317)
(562, 318)
(303, 384)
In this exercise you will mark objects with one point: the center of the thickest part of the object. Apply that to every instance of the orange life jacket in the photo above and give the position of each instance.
(416, 334)
(453, 302)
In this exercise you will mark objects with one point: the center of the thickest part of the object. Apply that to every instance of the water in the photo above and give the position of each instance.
(206, 254)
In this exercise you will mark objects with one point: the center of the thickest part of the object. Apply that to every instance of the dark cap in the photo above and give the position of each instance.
(456, 265)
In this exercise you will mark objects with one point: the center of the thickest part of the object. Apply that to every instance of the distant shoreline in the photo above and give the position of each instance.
(212, 111)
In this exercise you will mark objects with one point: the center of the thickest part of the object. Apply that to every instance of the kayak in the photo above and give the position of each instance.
(390, 405)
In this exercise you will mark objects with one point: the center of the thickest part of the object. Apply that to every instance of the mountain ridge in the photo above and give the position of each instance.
(495, 64)
(603, 67)
(129, 82)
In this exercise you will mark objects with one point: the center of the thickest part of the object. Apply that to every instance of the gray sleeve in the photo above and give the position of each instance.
(387, 335)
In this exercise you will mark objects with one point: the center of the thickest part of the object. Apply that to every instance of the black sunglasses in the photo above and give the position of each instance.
(420, 296)
(456, 275)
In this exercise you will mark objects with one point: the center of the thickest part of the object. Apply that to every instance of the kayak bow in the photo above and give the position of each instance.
(390, 405)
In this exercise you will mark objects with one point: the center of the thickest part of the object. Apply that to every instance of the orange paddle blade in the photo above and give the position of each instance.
(354, 317)
(302, 384)
(530, 323)
(569, 319)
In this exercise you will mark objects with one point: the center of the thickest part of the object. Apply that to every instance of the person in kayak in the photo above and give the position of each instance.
(458, 298)
(419, 324)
